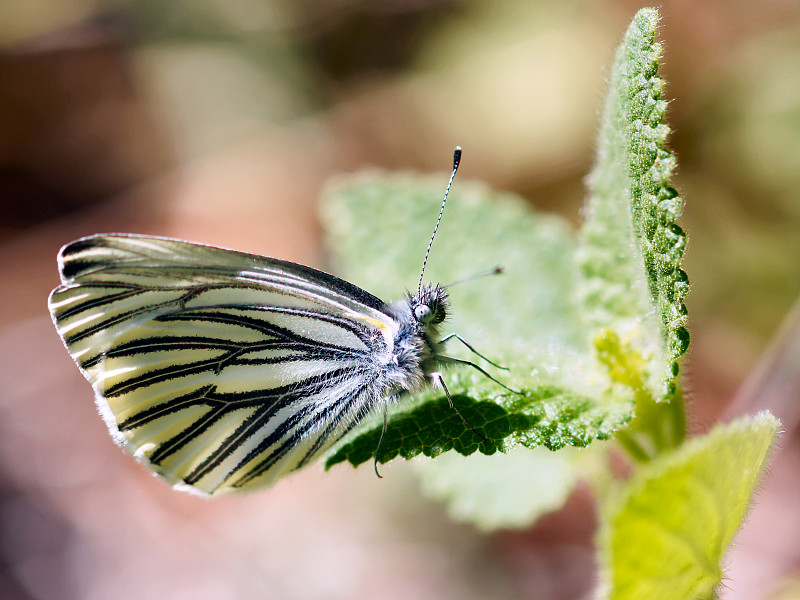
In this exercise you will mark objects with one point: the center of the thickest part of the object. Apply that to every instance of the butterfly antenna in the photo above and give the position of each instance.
(498, 270)
(456, 161)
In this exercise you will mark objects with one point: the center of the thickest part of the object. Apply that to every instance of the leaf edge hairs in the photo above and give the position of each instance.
(222, 371)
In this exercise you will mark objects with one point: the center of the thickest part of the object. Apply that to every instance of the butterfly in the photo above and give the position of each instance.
(223, 371)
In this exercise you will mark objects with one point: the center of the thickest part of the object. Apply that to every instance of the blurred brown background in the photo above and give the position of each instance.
(220, 121)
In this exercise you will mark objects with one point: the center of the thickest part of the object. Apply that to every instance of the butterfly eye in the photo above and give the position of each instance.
(422, 312)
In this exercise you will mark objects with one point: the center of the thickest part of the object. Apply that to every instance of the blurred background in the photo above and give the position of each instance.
(219, 121)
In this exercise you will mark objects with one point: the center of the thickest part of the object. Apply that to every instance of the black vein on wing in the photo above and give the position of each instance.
(117, 285)
(341, 415)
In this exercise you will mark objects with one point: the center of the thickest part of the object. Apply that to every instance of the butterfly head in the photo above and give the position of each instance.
(430, 305)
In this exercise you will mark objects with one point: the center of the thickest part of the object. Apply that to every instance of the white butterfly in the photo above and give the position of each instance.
(222, 371)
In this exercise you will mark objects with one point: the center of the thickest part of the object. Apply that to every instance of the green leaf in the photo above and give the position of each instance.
(631, 246)
(540, 482)
(378, 227)
(547, 416)
(665, 534)
(658, 426)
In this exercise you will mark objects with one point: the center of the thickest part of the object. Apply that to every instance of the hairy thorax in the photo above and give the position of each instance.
(417, 340)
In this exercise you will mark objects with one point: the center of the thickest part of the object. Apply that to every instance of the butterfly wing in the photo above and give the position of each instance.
(219, 370)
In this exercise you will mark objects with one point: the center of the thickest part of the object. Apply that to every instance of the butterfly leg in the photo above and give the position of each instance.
(437, 377)
(458, 361)
(389, 400)
(380, 440)
(468, 345)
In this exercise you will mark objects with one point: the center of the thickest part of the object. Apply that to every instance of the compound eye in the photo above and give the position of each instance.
(422, 311)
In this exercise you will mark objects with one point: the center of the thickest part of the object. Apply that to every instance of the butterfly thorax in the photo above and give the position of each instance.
(417, 341)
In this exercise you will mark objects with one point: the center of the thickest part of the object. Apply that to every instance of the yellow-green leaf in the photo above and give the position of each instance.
(665, 534)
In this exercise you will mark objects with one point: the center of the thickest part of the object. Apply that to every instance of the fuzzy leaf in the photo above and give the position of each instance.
(540, 482)
(526, 318)
(631, 246)
(665, 534)
(547, 417)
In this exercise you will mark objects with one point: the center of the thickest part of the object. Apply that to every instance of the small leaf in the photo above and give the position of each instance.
(658, 426)
(665, 534)
(631, 246)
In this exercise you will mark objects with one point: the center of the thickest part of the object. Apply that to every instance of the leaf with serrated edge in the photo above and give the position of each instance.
(378, 226)
(631, 246)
